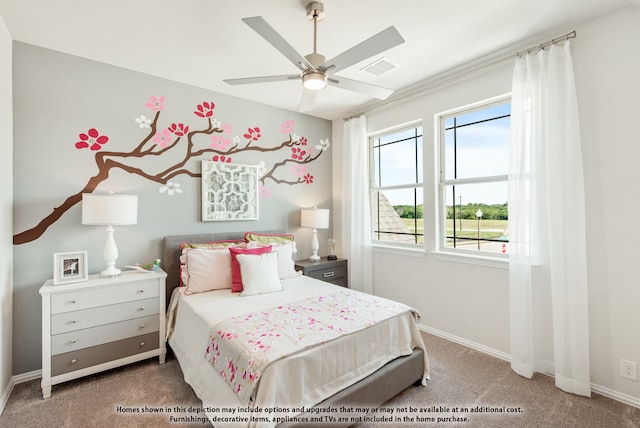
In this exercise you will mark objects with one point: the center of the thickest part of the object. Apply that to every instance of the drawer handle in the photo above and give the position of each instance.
(73, 321)
(141, 325)
(74, 341)
(73, 301)
(140, 291)
(141, 344)
(74, 361)
(328, 274)
(141, 308)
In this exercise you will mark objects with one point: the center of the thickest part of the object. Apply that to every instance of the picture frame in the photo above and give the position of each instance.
(229, 191)
(70, 267)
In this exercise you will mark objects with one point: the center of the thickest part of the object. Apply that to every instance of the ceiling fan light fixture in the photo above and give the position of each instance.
(314, 80)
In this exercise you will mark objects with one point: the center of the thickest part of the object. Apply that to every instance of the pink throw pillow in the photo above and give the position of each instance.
(236, 277)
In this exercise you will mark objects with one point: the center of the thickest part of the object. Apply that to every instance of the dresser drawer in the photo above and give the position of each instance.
(88, 357)
(74, 340)
(78, 320)
(102, 296)
(329, 274)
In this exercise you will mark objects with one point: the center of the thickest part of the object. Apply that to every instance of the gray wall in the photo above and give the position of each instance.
(6, 148)
(58, 96)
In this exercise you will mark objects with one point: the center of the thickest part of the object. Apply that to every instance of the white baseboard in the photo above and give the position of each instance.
(615, 395)
(13, 382)
(464, 342)
(6, 394)
(610, 393)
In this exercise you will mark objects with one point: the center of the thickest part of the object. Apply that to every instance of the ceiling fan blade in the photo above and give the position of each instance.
(357, 86)
(261, 27)
(382, 41)
(308, 100)
(262, 79)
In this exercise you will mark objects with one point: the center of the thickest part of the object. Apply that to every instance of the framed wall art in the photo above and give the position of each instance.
(70, 267)
(229, 191)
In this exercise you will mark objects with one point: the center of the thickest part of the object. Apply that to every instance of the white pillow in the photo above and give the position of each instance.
(286, 265)
(259, 273)
(206, 269)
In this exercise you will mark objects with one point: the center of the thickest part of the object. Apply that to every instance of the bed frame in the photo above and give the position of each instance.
(373, 390)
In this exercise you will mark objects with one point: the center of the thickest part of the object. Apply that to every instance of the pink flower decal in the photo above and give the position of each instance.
(308, 178)
(156, 104)
(205, 109)
(299, 170)
(92, 140)
(162, 137)
(303, 141)
(219, 143)
(226, 128)
(287, 127)
(179, 129)
(297, 153)
(253, 134)
(224, 159)
(264, 192)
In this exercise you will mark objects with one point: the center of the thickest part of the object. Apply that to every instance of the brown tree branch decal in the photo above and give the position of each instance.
(177, 139)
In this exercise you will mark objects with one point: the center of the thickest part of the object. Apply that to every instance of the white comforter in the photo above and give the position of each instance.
(289, 384)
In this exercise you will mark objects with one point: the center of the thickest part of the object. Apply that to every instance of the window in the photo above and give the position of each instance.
(396, 187)
(473, 187)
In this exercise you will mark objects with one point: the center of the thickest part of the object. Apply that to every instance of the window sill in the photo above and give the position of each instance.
(481, 260)
(403, 251)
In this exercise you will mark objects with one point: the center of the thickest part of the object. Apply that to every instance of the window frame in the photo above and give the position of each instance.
(418, 187)
(442, 251)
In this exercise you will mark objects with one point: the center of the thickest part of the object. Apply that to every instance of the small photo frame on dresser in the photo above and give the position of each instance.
(70, 267)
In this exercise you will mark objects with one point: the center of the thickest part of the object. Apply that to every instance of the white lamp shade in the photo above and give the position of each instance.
(109, 209)
(314, 218)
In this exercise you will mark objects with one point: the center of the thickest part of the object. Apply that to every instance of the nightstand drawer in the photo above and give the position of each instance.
(74, 340)
(79, 320)
(102, 296)
(333, 271)
(88, 357)
(329, 274)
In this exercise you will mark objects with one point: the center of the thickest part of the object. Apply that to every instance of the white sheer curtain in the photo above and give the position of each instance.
(356, 218)
(548, 273)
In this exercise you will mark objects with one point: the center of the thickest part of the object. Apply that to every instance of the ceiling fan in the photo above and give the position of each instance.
(316, 73)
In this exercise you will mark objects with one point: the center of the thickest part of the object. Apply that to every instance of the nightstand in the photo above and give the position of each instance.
(333, 271)
(100, 324)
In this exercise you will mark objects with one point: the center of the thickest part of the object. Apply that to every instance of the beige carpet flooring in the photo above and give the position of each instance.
(460, 378)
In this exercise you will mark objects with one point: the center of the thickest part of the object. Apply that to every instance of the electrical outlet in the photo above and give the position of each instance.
(628, 369)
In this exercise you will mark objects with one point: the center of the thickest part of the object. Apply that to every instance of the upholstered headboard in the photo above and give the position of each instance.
(171, 252)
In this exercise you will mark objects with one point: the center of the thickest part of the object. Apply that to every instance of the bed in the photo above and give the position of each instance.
(309, 385)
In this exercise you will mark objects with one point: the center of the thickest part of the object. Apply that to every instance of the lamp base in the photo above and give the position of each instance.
(110, 272)
(110, 254)
(314, 247)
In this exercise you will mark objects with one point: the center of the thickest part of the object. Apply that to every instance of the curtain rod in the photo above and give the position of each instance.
(352, 116)
(444, 80)
(541, 46)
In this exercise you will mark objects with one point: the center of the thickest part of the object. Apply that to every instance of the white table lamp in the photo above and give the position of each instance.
(109, 210)
(317, 219)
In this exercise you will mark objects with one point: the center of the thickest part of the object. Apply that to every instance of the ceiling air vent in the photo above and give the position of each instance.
(380, 67)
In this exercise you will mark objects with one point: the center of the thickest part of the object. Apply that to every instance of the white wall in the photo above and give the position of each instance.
(6, 196)
(607, 69)
(471, 302)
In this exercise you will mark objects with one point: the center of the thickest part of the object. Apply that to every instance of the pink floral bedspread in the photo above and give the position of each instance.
(241, 347)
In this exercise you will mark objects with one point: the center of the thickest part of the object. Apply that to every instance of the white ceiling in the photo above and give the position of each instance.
(201, 42)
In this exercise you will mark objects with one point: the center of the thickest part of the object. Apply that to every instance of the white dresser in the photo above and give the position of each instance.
(100, 324)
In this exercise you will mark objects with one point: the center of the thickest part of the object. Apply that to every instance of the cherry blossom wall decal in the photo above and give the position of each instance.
(187, 144)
